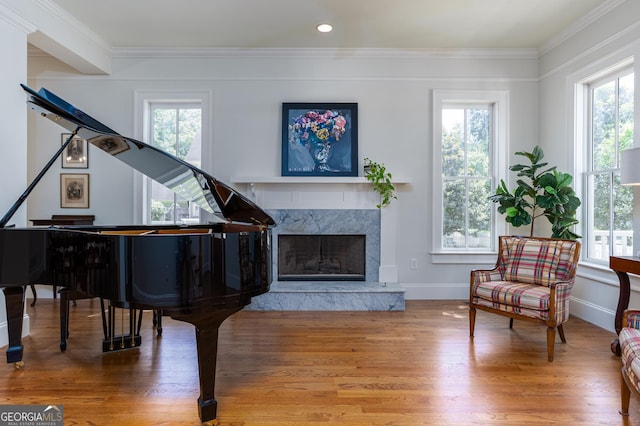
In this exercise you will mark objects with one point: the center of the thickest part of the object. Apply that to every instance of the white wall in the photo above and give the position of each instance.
(13, 121)
(393, 90)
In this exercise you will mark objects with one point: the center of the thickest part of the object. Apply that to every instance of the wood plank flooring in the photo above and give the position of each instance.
(306, 368)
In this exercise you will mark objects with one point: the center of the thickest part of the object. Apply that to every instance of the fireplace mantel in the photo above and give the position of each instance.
(310, 180)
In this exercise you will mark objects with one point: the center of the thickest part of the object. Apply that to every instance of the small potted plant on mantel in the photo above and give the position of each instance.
(377, 174)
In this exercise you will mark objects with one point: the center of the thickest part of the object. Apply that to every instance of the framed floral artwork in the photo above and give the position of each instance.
(74, 191)
(319, 139)
(76, 154)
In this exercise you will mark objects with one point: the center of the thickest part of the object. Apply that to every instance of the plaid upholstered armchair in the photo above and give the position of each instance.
(629, 338)
(532, 280)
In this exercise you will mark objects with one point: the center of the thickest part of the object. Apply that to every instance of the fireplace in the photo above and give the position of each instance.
(330, 222)
(304, 257)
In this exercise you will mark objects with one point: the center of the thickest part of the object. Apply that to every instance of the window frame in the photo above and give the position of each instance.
(499, 100)
(584, 140)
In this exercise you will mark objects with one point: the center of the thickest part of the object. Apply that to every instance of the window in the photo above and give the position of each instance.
(172, 122)
(176, 129)
(609, 130)
(469, 135)
(466, 176)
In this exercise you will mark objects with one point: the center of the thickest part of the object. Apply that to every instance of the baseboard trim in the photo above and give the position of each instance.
(436, 291)
(587, 311)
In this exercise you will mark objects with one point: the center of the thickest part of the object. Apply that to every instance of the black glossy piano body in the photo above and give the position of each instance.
(200, 274)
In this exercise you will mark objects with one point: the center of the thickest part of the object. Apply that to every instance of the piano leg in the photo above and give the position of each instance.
(157, 321)
(207, 325)
(64, 317)
(14, 302)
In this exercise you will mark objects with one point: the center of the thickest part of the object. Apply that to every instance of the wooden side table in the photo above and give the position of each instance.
(622, 266)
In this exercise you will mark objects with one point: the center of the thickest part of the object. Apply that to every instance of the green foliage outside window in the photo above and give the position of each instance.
(174, 129)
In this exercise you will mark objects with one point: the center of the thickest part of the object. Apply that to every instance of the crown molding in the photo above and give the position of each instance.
(386, 53)
(16, 20)
(579, 25)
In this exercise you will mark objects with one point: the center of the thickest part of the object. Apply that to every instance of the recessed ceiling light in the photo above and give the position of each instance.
(324, 28)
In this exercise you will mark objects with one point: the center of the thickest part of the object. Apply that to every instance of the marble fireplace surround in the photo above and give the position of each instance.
(329, 222)
(319, 205)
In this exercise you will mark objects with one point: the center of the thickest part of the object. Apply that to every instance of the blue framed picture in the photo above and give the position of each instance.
(319, 139)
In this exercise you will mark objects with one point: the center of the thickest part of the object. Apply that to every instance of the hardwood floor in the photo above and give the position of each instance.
(352, 368)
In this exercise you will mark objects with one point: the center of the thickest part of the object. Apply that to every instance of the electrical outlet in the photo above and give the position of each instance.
(413, 263)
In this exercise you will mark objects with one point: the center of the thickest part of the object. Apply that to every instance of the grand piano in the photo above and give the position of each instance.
(200, 274)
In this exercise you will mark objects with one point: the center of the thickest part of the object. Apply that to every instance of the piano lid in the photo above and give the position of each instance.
(186, 180)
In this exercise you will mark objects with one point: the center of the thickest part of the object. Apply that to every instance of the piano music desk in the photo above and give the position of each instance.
(65, 219)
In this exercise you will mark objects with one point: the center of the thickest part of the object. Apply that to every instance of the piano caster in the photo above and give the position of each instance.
(208, 410)
(18, 365)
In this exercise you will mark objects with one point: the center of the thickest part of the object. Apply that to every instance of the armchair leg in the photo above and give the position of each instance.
(551, 337)
(561, 333)
(472, 321)
(625, 396)
(510, 323)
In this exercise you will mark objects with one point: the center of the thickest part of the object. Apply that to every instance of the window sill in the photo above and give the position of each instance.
(467, 257)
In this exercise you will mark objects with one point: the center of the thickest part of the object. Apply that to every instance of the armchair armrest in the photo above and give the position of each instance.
(631, 318)
(565, 283)
(483, 275)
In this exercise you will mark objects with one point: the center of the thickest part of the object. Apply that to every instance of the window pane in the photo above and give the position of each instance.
(479, 213)
(454, 213)
(452, 142)
(601, 216)
(626, 112)
(622, 218)
(604, 126)
(189, 136)
(164, 129)
(478, 142)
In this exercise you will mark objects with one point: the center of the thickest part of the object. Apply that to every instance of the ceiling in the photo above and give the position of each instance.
(406, 24)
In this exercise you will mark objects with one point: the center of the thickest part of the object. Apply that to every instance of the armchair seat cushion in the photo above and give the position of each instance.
(629, 339)
(513, 293)
(530, 300)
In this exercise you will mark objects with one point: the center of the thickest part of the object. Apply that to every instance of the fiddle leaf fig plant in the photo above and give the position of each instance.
(541, 191)
(377, 174)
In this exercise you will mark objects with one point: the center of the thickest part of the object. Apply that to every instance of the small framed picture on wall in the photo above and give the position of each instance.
(74, 191)
(76, 154)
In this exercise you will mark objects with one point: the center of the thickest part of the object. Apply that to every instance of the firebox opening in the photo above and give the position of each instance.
(321, 257)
